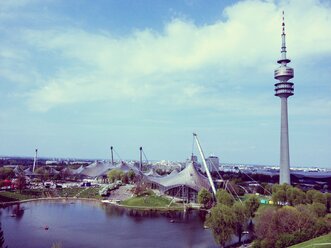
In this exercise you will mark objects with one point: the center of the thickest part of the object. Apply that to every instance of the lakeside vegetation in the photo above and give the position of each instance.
(295, 216)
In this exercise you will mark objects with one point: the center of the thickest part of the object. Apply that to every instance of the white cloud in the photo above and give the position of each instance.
(184, 63)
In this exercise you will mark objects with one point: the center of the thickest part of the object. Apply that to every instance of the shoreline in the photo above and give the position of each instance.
(113, 203)
(6, 204)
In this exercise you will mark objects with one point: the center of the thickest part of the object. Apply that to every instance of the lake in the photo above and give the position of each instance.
(78, 223)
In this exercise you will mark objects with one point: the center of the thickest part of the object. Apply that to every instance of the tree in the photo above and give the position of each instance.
(285, 226)
(328, 201)
(234, 188)
(6, 173)
(205, 198)
(222, 222)
(252, 204)
(140, 189)
(223, 197)
(318, 208)
(279, 196)
(314, 196)
(43, 173)
(286, 194)
(131, 175)
(114, 175)
(21, 181)
(298, 196)
(241, 218)
(125, 178)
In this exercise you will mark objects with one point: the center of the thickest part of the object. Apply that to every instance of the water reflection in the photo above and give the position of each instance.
(93, 224)
(137, 214)
(18, 211)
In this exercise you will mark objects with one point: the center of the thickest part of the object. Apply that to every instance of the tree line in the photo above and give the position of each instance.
(295, 216)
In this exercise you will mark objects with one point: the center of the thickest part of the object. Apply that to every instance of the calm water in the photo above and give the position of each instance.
(92, 224)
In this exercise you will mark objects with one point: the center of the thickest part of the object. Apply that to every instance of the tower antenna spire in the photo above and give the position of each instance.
(283, 50)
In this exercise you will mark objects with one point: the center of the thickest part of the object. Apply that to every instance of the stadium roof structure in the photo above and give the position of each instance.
(96, 169)
(189, 177)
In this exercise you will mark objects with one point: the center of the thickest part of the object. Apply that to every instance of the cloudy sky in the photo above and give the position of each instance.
(79, 76)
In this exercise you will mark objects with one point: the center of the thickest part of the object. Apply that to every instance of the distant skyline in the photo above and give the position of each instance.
(77, 77)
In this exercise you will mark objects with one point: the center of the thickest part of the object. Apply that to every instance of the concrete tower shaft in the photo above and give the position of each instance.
(284, 89)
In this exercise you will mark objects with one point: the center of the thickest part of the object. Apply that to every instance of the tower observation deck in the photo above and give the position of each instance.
(284, 89)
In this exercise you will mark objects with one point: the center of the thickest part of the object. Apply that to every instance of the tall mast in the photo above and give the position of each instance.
(205, 164)
(112, 155)
(35, 160)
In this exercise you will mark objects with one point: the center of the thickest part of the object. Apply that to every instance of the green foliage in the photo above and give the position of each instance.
(318, 208)
(223, 197)
(328, 201)
(222, 222)
(205, 198)
(21, 181)
(241, 218)
(6, 173)
(131, 175)
(286, 194)
(295, 196)
(252, 204)
(115, 174)
(289, 225)
(314, 196)
(234, 189)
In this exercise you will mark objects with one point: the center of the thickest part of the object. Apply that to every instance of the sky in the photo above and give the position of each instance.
(79, 76)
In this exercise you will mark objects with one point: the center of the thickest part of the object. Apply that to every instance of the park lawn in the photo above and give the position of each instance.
(90, 193)
(322, 241)
(149, 201)
(8, 196)
(69, 192)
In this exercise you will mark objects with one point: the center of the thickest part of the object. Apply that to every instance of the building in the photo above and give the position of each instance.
(213, 163)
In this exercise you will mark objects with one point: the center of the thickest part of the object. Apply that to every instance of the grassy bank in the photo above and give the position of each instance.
(323, 241)
(11, 196)
(150, 201)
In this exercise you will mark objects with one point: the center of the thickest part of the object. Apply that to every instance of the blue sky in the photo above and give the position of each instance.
(79, 76)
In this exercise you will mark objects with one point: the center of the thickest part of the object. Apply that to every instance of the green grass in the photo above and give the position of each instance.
(8, 196)
(322, 242)
(90, 193)
(79, 192)
(149, 201)
(68, 192)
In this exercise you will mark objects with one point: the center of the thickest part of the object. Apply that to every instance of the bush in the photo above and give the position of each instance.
(223, 197)
(205, 198)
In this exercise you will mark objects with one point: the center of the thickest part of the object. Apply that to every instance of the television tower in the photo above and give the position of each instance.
(284, 89)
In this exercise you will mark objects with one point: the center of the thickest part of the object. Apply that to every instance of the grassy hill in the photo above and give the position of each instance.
(149, 201)
(322, 242)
